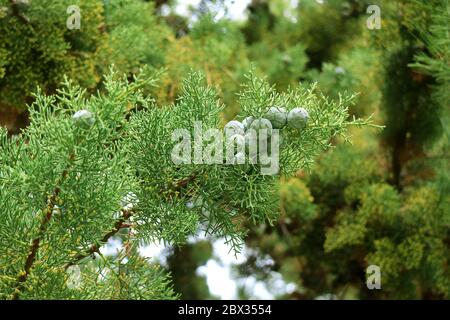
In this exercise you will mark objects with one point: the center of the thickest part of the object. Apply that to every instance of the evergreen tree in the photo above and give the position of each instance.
(383, 201)
(93, 163)
(39, 45)
(86, 168)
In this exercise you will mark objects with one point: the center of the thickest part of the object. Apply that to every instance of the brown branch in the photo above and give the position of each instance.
(16, 11)
(23, 276)
(183, 182)
(120, 224)
(35, 245)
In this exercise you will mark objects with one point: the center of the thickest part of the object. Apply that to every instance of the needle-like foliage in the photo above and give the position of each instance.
(90, 167)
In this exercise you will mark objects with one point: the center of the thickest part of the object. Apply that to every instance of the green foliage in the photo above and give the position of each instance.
(383, 201)
(362, 221)
(40, 49)
(437, 62)
(37, 48)
(354, 71)
(135, 37)
(183, 263)
(297, 201)
(67, 183)
(215, 47)
(63, 183)
(325, 27)
(70, 184)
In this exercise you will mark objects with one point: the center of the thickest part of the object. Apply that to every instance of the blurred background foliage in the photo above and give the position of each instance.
(384, 199)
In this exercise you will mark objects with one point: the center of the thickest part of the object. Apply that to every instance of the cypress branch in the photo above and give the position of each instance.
(48, 213)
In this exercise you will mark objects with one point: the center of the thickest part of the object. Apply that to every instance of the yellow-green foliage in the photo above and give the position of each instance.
(215, 47)
(279, 55)
(296, 200)
(37, 48)
(350, 211)
(42, 50)
(357, 69)
(135, 36)
(365, 221)
(360, 219)
(325, 27)
(402, 232)
(419, 251)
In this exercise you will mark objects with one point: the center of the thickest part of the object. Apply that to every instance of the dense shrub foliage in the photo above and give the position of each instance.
(87, 117)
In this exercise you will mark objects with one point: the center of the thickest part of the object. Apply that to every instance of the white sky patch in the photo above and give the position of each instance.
(111, 247)
(156, 252)
(183, 7)
(201, 236)
(219, 271)
(219, 280)
(232, 9)
(225, 256)
(291, 11)
(237, 9)
(165, 10)
(256, 289)
(219, 275)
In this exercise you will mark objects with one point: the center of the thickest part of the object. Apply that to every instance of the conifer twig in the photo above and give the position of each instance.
(17, 13)
(184, 182)
(120, 224)
(23, 276)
